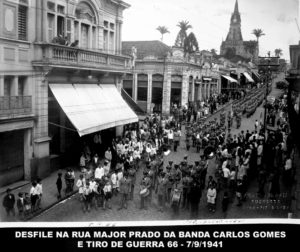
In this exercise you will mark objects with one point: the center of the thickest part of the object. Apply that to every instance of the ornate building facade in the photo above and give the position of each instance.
(39, 61)
(234, 43)
(163, 76)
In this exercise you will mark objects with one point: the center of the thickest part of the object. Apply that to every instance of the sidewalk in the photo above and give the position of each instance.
(49, 198)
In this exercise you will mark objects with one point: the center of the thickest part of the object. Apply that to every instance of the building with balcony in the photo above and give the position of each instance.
(163, 76)
(293, 100)
(61, 72)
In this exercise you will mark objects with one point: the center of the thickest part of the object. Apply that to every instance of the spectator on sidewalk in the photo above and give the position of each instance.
(34, 195)
(59, 185)
(21, 205)
(39, 188)
(27, 204)
(9, 202)
(108, 155)
(69, 180)
(80, 184)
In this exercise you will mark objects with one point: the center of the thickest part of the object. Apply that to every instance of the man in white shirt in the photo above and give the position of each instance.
(39, 189)
(226, 174)
(99, 172)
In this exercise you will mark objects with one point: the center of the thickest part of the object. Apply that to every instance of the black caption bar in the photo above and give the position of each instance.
(241, 236)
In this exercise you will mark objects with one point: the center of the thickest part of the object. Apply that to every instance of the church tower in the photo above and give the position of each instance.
(235, 33)
(234, 44)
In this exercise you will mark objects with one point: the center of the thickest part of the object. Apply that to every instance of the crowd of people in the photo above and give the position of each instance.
(135, 166)
(27, 203)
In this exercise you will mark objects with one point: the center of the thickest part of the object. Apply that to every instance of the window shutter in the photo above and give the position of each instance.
(22, 23)
(69, 31)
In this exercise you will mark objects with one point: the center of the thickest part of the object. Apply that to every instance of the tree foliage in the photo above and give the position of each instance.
(163, 30)
(182, 35)
(191, 44)
(278, 52)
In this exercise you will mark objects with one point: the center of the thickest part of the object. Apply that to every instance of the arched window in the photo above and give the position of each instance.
(85, 26)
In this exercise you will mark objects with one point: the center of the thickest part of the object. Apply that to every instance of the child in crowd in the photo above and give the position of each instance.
(21, 205)
(107, 195)
(27, 205)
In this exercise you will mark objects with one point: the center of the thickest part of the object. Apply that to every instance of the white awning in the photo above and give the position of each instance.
(206, 79)
(248, 77)
(256, 74)
(92, 107)
(230, 78)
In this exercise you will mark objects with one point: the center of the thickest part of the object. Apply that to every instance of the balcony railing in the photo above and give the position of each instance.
(11, 106)
(78, 57)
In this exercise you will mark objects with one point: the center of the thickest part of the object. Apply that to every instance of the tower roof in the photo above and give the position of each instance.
(236, 7)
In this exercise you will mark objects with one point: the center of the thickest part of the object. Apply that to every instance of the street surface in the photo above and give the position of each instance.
(254, 207)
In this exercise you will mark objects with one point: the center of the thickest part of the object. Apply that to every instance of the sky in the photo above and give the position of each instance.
(210, 20)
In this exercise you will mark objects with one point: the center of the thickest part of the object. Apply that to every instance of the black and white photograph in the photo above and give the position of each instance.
(150, 113)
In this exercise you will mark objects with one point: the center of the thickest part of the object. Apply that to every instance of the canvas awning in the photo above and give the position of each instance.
(229, 78)
(256, 74)
(92, 107)
(248, 77)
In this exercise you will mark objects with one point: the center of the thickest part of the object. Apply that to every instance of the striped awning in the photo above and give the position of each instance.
(230, 78)
(248, 77)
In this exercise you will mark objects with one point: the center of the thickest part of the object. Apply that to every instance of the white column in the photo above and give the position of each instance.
(1, 85)
(14, 86)
(79, 34)
(185, 90)
(199, 93)
(90, 37)
(193, 90)
(62, 131)
(209, 89)
(27, 153)
(135, 86)
(166, 91)
(27, 86)
(149, 93)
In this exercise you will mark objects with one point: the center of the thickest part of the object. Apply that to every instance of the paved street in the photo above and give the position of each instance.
(70, 210)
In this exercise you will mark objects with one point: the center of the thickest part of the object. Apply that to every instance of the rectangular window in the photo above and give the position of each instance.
(60, 26)
(105, 40)
(60, 9)
(7, 85)
(105, 24)
(69, 29)
(50, 18)
(21, 85)
(142, 94)
(111, 42)
(22, 22)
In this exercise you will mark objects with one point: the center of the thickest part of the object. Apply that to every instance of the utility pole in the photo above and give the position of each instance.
(267, 65)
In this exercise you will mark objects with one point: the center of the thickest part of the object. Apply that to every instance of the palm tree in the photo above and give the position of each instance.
(258, 33)
(163, 30)
(213, 51)
(182, 35)
(278, 52)
(191, 44)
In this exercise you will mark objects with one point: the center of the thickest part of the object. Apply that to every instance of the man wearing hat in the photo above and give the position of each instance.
(132, 177)
(161, 190)
(145, 184)
(124, 190)
(169, 183)
(9, 202)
